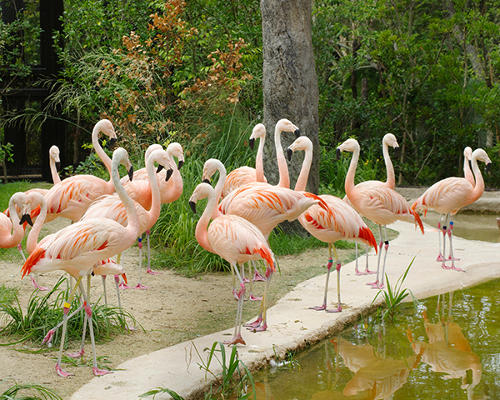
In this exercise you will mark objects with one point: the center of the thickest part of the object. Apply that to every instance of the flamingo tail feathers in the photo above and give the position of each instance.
(266, 255)
(321, 203)
(418, 220)
(33, 258)
(366, 235)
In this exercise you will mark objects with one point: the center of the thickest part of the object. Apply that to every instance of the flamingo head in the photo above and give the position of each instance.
(284, 125)
(201, 191)
(120, 156)
(105, 126)
(258, 132)
(175, 150)
(301, 143)
(152, 148)
(21, 202)
(468, 153)
(390, 140)
(350, 145)
(211, 166)
(164, 161)
(481, 155)
(54, 155)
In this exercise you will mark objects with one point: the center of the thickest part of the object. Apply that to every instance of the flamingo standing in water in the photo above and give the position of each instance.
(449, 195)
(388, 140)
(112, 207)
(380, 204)
(243, 175)
(72, 196)
(234, 239)
(342, 223)
(77, 248)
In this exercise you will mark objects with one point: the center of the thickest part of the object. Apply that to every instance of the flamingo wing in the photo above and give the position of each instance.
(446, 196)
(239, 177)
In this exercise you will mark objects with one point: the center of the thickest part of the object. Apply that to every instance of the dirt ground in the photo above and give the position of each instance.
(174, 309)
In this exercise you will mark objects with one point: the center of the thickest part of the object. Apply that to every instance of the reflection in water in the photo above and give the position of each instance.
(425, 355)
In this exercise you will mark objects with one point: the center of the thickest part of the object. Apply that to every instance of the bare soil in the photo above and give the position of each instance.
(174, 309)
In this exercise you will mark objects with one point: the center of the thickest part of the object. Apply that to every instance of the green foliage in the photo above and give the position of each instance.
(7, 295)
(32, 392)
(234, 381)
(45, 312)
(394, 296)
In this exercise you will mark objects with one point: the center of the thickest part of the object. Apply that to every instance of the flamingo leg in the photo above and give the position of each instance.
(256, 274)
(337, 261)
(251, 295)
(149, 270)
(440, 230)
(104, 288)
(117, 284)
(451, 257)
(139, 244)
(386, 246)
(48, 337)
(329, 267)
(443, 263)
(263, 326)
(66, 307)
(356, 268)
(122, 285)
(79, 354)
(376, 283)
(88, 312)
(237, 338)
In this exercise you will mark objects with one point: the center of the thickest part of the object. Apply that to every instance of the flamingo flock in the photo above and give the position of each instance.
(242, 210)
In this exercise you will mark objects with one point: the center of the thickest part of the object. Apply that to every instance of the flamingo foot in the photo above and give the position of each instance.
(440, 258)
(76, 354)
(261, 328)
(370, 272)
(444, 266)
(335, 310)
(123, 286)
(61, 372)
(235, 294)
(48, 337)
(140, 286)
(257, 277)
(100, 372)
(254, 324)
(152, 272)
(235, 340)
(457, 269)
(318, 308)
(372, 283)
(246, 280)
(359, 272)
(450, 258)
(255, 298)
(378, 286)
(37, 286)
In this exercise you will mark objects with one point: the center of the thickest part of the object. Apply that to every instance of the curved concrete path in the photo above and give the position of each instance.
(292, 325)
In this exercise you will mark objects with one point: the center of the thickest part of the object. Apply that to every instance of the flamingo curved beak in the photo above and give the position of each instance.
(251, 143)
(160, 167)
(131, 173)
(297, 133)
(206, 180)
(58, 164)
(488, 168)
(180, 164)
(289, 153)
(192, 204)
(169, 174)
(338, 151)
(26, 218)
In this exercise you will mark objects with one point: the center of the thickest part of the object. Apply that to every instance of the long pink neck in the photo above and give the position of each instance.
(98, 149)
(53, 171)
(467, 171)
(304, 171)
(391, 180)
(154, 211)
(479, 188)
(37, 227)
(133, 220)
(349, 179)
(176, 184)
(280, 157)
(17, 230)
(259, 161)
(221, 181)
(201, 232)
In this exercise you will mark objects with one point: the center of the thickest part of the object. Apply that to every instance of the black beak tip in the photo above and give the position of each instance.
(192, 204)
(251, 143)
(160, 167)
(338, 153)
(206, 180)
(180, 164)
(297, 133)
(289, 153)
(169, 174)
(488, 168)
(58, 164)
(26, 218)
(131, 173)
(112, 142)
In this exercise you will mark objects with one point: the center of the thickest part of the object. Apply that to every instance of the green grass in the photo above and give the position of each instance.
(44, 312)
(7, 295)
(29, 392)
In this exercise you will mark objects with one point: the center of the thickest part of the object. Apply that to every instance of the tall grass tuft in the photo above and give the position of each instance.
(34, 392)
(44, 312)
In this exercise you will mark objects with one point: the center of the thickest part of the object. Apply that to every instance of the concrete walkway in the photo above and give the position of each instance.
(293, 326)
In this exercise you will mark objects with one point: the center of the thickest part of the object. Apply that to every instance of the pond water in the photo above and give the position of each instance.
(444, 347)
(470, 226)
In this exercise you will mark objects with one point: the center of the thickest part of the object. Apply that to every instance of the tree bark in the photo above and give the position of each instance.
(290, 84)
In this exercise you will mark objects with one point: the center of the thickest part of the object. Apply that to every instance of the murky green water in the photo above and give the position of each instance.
(446, 347)
(470, 226)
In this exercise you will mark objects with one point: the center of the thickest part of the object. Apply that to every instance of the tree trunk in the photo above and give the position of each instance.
(290, 84)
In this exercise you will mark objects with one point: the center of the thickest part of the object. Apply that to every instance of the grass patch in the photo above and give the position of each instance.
(8, 189)
(45, 312)
(29, 392)
(7, 295)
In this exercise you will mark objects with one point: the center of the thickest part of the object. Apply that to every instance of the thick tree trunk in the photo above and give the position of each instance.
(289, 81)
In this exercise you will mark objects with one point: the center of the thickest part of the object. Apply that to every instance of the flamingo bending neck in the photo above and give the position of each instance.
(259, 161)
(391, 179)
(201, 232)
(280, 156)
(97, 147)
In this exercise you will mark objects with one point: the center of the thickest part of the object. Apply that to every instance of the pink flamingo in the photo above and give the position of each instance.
(388, 140)
(449, 195)
(243, 175)
(111, 206)
(342, 223)
(77, 248)
(380, 204)
(11, 226)
(72, 196)
(234, 239)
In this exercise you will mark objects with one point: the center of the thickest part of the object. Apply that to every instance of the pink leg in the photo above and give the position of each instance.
(439, 258)
(339, 306)
(37, 286)
(443, 261)
(149, 270)
(451, 258)
(376, 283)
(140, 286)
(323, 306)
